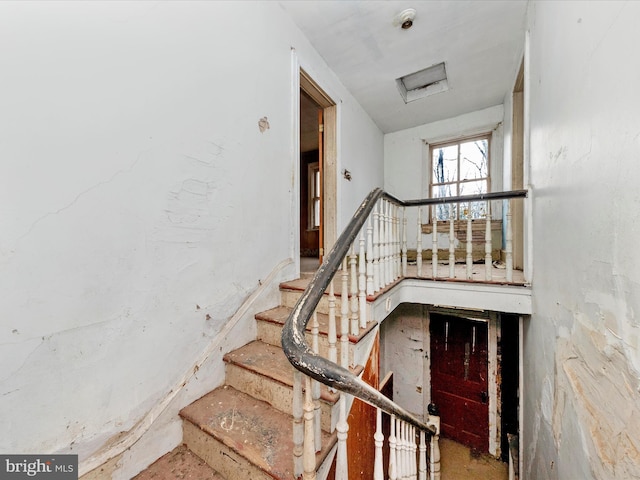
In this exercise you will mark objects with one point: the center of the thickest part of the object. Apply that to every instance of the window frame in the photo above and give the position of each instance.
(313, 168)
(448, 143)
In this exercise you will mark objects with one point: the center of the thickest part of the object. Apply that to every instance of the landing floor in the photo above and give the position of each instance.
(460, 463)
(308, 266)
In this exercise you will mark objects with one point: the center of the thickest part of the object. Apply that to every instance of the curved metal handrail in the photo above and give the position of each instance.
(294, 342)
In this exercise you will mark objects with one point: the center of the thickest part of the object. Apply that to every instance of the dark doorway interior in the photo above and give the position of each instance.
(508, 349)
(310, 177)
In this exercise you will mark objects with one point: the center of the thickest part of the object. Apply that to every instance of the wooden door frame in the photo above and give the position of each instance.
(517, 167)
(493, 331)
(329, 168)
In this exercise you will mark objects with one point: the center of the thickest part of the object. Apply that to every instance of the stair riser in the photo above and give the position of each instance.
(274, 393)
(219, 456)
(271, 333)
(290, 297)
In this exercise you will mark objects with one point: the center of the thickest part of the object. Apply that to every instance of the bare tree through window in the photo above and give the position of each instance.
(460, 168)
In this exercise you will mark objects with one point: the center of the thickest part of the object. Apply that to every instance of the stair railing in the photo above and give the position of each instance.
(370, 255)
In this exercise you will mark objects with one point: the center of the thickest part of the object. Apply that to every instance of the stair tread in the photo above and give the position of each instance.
(250, 427)
(280, 314)
(270, 361)
(180, 463)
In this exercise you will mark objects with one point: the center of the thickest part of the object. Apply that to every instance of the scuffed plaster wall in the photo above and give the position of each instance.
(581, 351)
(141, 205)
(404, 340)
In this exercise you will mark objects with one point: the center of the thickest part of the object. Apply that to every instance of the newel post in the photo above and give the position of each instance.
(434, 450)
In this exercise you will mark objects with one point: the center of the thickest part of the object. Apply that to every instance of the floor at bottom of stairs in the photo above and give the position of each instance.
(180, 463)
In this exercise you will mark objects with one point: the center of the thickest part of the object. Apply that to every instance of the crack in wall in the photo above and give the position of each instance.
(75, 200)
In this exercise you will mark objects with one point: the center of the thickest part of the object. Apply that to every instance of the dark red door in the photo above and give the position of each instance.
(459, 379)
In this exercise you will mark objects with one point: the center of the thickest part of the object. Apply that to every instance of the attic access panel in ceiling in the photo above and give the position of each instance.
(423, 83)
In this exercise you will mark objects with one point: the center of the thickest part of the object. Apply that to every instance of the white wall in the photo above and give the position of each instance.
(405, 351)
(140, 203)
(581, 346)
(407, 166)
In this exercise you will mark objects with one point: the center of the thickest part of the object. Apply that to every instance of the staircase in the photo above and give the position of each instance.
(244, 429)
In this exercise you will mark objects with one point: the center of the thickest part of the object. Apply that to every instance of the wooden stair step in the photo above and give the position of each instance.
(180, 463)
(256, 438)
(263, 371)
(270, 361)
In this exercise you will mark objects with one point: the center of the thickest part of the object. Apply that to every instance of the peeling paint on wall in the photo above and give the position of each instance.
(595, 378)
(263, 124)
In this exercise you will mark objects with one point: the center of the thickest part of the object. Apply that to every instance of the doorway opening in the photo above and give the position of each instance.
(509, 355)
(318, 173)
(460, 378)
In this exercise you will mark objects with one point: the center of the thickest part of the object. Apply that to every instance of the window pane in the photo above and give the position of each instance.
(316, 213)
(473, 188)
(445, 164)
(473, 160)
(316, 175)
(475, 209)
(447, 190)
(439, 191)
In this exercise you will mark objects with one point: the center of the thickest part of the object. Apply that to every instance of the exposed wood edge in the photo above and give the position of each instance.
(477, 225)
(311, 88)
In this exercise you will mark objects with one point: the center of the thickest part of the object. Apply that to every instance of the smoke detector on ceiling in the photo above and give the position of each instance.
(405, 18)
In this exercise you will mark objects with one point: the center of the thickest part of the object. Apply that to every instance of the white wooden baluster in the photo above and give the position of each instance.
(387, 245)
(309, 454)
(362, 283)
(394, 241)
(434, 451)
(403, 450)
(469, 245)
(342, 427)
(353, 290)
(378, 437)
(298, 423)
(332, 335)
(404, 241)
(509, 244)
(487, 244)
(344, 316)
(413, 452)
(370, 283)
(399, 452)
(383, 245)
(419, 244)
(422, 464)
(434, 243)
(315, 385)
(376, 248)
(398, 240)
(410, 461)
(342, 468)
(407, 451)
(389, 234)
(393, 469)
(407, 455)
(452, 245)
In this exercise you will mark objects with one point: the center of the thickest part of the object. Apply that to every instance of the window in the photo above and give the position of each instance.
(314, 196)
(460, 168)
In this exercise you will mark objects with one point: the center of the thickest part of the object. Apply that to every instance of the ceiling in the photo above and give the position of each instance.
(480, 42)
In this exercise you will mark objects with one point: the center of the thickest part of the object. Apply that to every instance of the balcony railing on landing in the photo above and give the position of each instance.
(371, 254)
